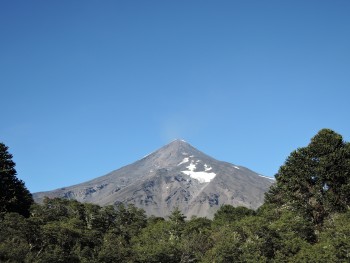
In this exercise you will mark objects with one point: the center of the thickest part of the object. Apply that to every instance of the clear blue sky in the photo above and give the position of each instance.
(89, 86)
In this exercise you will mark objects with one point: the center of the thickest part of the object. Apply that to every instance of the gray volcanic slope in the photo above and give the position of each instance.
(177, 175)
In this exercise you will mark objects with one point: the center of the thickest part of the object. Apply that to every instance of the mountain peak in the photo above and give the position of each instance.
(178, 141)
(179, 147)
(176, 175)
(176, 144)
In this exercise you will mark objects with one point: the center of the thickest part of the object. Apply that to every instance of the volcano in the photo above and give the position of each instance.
(175, 176)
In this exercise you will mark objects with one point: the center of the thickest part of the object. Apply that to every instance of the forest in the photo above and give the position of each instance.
(305, 218)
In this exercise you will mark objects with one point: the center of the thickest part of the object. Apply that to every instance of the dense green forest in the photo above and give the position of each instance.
(305, 218)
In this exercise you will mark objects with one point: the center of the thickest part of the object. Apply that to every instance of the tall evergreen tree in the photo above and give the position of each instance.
(315, 180)
(14, 196)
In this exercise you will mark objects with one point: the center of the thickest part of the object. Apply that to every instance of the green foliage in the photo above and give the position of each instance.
(229, 214)
(114, 249)
(156, 243)
(305, 218)
(177, 224)
(197, 225)
(315, 180)
(196, 239)
(226, 247)
(89, 233)
(14, 196)
(14, 238)
(292, 233)
(334, 240)
(129, 221)
(247, 240)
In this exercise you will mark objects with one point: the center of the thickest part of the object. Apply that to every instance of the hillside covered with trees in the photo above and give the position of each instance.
(305, 218)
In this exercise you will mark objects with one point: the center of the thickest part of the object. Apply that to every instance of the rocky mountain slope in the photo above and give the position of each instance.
(177, 175)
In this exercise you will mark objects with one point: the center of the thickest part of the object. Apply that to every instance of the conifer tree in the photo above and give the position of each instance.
(315, 180)
(14, 196)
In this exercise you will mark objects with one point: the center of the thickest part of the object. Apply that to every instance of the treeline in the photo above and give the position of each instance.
(68, 231)
(305, 218)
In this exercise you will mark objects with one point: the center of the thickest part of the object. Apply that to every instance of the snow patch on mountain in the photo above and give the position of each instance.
(207, 167)
(185, 160)
(192, 166)
(146, 156)
(203, 177)
(273, 179)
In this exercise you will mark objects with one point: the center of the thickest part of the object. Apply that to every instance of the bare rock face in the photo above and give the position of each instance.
(177, 175)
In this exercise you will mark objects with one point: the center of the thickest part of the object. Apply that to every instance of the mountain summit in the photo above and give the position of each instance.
(176, 175)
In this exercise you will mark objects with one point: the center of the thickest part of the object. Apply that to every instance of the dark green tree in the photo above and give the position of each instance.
(196, 239)
(114, 249)
(14, 238)
(226, 246)
(14, 196)
(69, 231)
(333, 244)
(228, 214)
(156, 243)
(129, 220)
(177, 222)
(315, 180)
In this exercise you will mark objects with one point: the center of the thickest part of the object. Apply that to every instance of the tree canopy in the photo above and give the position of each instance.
(14, 196)
(315, 180)
(306, 218)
